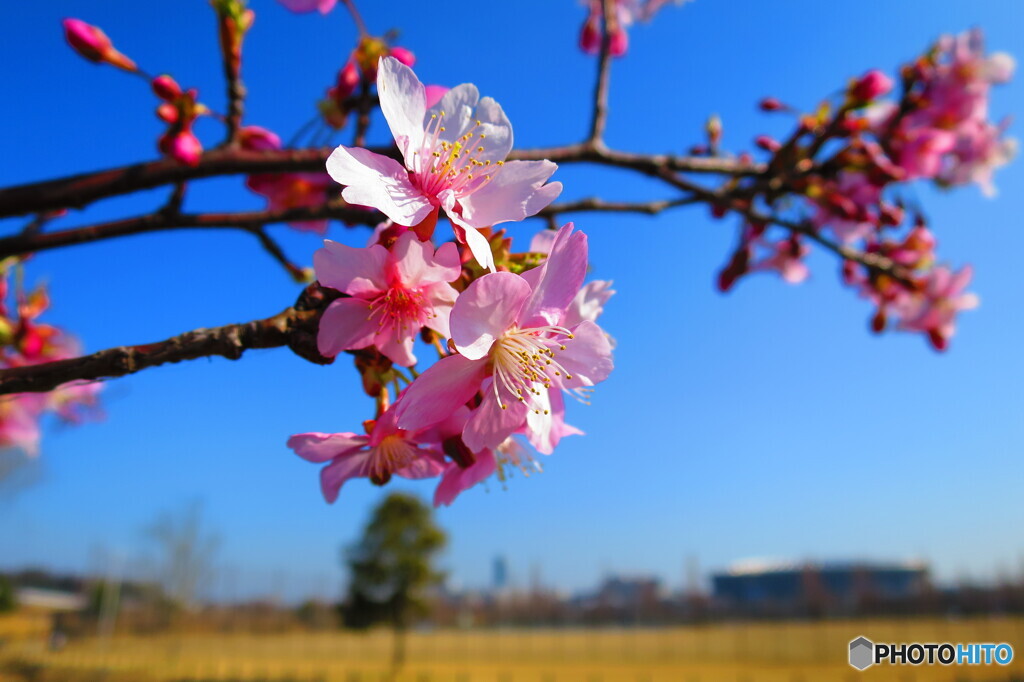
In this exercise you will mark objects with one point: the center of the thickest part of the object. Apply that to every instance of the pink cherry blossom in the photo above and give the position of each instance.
(392, 294)
(453, 157)
(509, 455)
(285, 190)
(980, 150)
(934, 310)
(514, 348)
(383, 452)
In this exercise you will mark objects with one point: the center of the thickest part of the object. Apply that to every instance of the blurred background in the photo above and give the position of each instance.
(761, 479)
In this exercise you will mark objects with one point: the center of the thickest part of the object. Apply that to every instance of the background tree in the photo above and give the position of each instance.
(392, 567)
(8, 602)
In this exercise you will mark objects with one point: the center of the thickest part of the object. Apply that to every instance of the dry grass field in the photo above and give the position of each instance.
(774, 652)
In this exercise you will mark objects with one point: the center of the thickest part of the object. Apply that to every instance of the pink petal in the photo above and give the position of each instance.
(516, 192)
(495, 126)
(490, 425)
(587, 357)
(456, 479)
(378, 181)
(334, 475)
(345, 325)
(439, 392)
(321, 447)
(557, 280)
(485, 310)
(397, 346)
(358, 272)
(458, 105)
(427, 466)
(417, 263)
(442, 297)
(403, 103)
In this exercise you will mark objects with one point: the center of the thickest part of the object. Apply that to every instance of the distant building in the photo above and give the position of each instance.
(499, 574)
(49, 600)
(773, 588)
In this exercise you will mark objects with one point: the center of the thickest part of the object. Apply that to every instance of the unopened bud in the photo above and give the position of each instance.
(590, 36)
(403, 55)
(93, 44)
(870, 86)
(618, 42)
(772, 104)
(769, 144)
(166, 88)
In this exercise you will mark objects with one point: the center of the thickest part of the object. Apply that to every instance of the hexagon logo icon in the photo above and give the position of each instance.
(862, 653)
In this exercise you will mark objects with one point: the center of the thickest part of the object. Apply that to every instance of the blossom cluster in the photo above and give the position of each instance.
(25, 341)
(937, 130)
(514, 333)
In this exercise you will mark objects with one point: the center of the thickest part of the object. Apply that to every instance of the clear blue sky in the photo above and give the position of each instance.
(763, 423)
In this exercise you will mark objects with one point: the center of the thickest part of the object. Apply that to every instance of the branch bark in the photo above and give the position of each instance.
(294, 327)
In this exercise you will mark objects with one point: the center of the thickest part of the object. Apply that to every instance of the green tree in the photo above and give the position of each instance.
(391, 568)
(8, 601)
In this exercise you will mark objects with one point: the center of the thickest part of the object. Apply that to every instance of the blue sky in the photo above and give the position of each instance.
(764, 423)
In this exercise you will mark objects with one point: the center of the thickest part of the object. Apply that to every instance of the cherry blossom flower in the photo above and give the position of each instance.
(453, 160)
(384, 451)
(513, 347)
(933, 310)
(392, 295)
(285, 190)
(179, 110)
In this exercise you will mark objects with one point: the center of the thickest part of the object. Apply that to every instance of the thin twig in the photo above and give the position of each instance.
(600, 111)
(154, 222)
(596, 204)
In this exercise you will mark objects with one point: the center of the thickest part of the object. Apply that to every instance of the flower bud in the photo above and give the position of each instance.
(403, 55)
(618, 42)
(772, 104)
(870, 86)
(590, 37)
(767, 143)
(166, 88)
(93, 44)
(257, 139)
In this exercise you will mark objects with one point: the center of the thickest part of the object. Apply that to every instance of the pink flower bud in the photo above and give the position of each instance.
(619, 42)
(871, 85)
(166, 88)
(403, 55)
(772, 104)
(184, 146)
(434, 94)
(257, 139)
(93, 44)
(348, 81)
(767, 143)
(590, 37)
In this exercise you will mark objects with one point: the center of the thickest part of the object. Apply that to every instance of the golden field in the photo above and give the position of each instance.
(783, 652)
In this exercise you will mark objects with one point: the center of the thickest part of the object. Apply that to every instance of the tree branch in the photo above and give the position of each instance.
(294, 327)
(596, 204)
(251, 221)
(80, 190)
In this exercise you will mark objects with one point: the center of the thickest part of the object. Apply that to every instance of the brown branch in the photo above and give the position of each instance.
(364, 108)
(251, 221)
(80, 190)
(294, 327)
(599, 117)
(596, 204)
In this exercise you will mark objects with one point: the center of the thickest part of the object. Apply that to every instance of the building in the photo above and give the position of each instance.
(805, 588)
